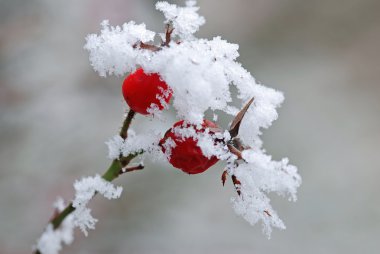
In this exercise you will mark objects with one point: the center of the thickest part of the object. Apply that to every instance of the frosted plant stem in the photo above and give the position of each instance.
(126, 124)
(114, 170)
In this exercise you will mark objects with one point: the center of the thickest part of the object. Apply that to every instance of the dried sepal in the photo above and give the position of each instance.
(168, 35)
(149, 47)
(236, 183)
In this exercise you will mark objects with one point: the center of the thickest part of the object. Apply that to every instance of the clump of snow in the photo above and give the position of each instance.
(200, 73)
(260, 115)
(51, 240)
(206, 140)
(115, 50)
(168, 145)
(146, 142)
(114, 147)
(136, 143)
(185, 20)
(259, 176)
(85, 189)
(154, 109)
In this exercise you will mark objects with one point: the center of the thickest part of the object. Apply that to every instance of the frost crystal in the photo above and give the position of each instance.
(113, 51)
(85, 189)
(186, 21)
(259, 176)
(114, 147)
(200, 73)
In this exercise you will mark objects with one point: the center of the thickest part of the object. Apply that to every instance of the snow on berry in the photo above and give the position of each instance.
(201, 73)
(180, 143)
(144, 91)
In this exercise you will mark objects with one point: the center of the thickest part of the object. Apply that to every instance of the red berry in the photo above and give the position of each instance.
(141, 90)
(186, 154)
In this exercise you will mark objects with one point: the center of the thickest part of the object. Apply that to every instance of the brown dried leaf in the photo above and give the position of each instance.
(235, 125)
(237, 184)
(149, 47)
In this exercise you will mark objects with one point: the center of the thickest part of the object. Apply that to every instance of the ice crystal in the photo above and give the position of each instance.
(85, 189)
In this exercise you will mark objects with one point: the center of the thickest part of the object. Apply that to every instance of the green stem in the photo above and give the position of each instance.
(126, 124)
(57, 220)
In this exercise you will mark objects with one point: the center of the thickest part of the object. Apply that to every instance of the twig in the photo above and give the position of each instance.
(126, 124)
(112, 172)
(130, 169)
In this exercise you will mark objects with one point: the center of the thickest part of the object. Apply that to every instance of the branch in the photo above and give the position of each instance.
(126, 124)
(114, 170)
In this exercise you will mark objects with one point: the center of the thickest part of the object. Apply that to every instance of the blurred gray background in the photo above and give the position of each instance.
(56, 113)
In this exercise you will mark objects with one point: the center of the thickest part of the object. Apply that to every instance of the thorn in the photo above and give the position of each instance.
(224, 177)
(125, 169)
(235, 125)
(267, 213)
(235, 151)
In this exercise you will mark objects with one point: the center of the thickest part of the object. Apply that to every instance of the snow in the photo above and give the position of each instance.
(112, 52)
(201, 74)
(85, 189)
(205, 140)
(114, 147)
(185, 20)
(260, 176)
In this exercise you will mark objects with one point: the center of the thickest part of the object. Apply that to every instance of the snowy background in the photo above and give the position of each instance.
(56, 113)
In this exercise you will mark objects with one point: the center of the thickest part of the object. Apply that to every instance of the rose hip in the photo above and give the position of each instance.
(186, 154)
(142, 91)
